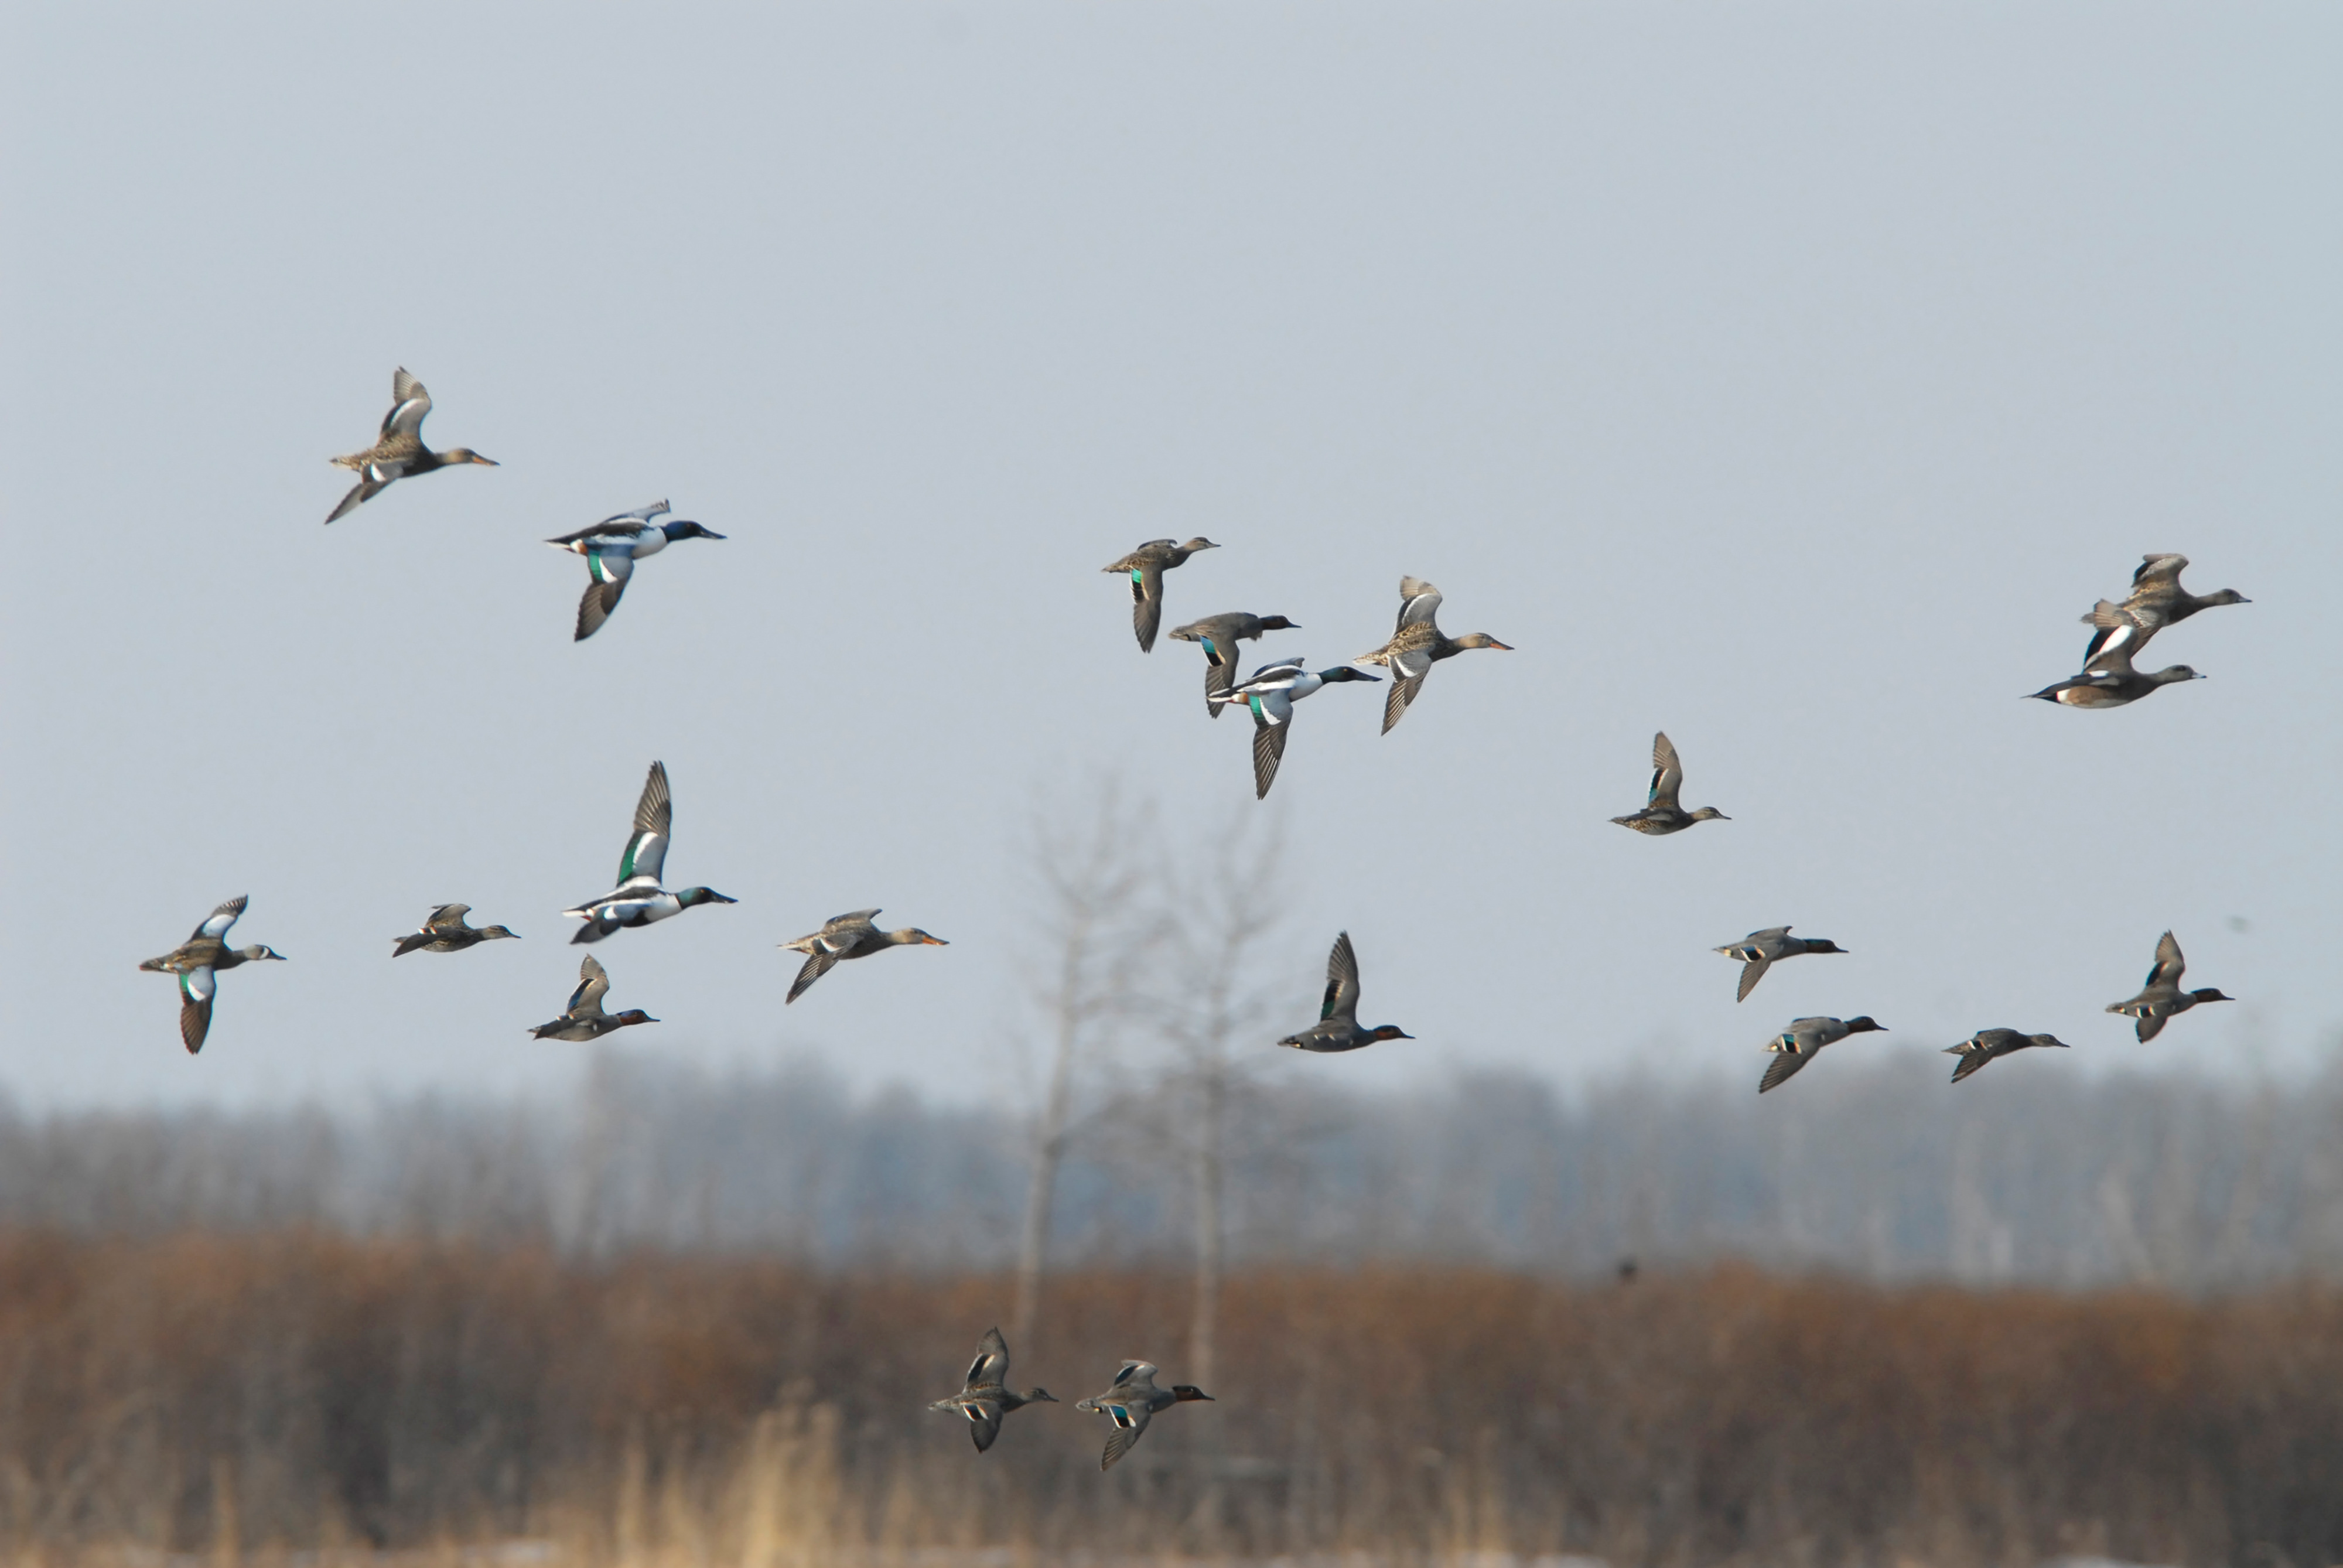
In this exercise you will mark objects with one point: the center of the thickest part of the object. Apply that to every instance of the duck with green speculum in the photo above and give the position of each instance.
(400, 453)
(1760, 950)
(2161, 998)
(1798, 1044)
(1338, 1027)
(1147, 565)
(1218, 636)
(611, 548)
(638, 900)
(848, 936)
(1662, 813)
(1416, 645)
(584, 1018)
(444, 931)
(1270, 696)
(1130, 1402)
(1987, 1044)
(985, 1397)
(198, 961)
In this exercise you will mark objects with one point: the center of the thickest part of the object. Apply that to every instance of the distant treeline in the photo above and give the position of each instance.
(1869, 1165)
(225, 1395)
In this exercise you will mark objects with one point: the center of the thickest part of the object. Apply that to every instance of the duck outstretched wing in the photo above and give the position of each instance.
(646, 854)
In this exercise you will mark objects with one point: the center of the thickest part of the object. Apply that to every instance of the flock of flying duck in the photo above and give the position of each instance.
(612, 546)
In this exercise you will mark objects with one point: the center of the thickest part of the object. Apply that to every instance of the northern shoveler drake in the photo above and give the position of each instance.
(584, 1018)
(1987, 1044)
(1337, 1028)
(1661, 813)
(1270, 696)
(1218, 634)
(1416, 645)
(848, 936)
(197, 960)
(1147, 565)
(611, 548)
(443, 931)
(985, 1397)
(2161, 998)
(1797, 1045)
(638, 900)
(400, 453)
(1760, 950)
(1130, 1401)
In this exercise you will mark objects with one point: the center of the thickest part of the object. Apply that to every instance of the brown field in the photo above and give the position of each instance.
(248, 1397)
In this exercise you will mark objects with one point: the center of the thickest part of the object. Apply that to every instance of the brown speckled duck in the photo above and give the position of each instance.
(400, 454)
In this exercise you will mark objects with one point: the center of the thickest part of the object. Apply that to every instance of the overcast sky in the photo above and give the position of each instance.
(1789, 377)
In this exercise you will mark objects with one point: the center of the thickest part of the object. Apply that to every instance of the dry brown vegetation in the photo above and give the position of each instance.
(301, 1391)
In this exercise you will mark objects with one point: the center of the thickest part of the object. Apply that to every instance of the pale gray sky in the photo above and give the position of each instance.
(1789, 378)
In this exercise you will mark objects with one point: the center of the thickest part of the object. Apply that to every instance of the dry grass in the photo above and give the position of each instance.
(241, 1398)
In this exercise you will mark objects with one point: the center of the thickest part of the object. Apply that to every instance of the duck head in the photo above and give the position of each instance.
(2211, 994)
(1344, 672)
(255, 952)
(1814, 944)
(912, 936)
(2226, 595)
(1279, 623)
(2049, 1040)
(1390, 1032)
(1040, 1396)
(465, 455)
(687, 531)
(1711, 814)
(1863, 1023)
(632, 1015)
(1482, 640)
(692, 896)
(1181, 1392)
(1199, 543)
(2175, 673)
(490, 933)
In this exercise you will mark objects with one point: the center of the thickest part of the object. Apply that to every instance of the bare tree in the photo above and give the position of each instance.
(1225, 904)
(1098, 920)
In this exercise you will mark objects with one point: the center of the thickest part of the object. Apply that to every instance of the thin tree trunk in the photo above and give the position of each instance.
(1041, 1188)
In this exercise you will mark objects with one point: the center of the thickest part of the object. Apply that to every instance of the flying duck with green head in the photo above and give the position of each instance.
(638, 900)
(611, 548)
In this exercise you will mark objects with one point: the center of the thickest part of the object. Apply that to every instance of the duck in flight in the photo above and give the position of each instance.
(1337, 1028)
(985, 1397)
(2161, 998)
(1662, 813)
(1270, 696)
(1147, 565)
(1218, 634)
(1130, 1401)
(611, 548)
(1987, 1044)
(638, 900)
(1798, 1044)
(584, 1018)
(1416, 645)
(443, 931)
(1760, 950)
(400, 453)
(2155, 602)
(848, 936)
(2110, 681)
(198, 962)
